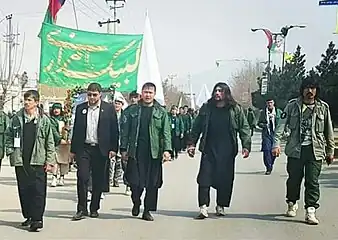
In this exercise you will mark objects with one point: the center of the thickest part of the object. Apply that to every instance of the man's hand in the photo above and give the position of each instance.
(63, 142)
(166, 156)
(191, 151)
(276, 151)
(111, 154)
(245, 153)
(329, 159)
(71, 156)
(48, 168)
(181, 136)
(124, 156)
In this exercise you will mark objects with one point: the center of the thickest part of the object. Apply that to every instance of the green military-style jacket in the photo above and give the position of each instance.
(251, 119)
(159, 130)
(186, 122)
(179, 125)
(4, 120)
(44, 149)
(55, 130)
(239, 125)
(322, 129)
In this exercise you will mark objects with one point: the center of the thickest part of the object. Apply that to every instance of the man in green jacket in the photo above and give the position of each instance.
(219, 122)
(310, 142)
(4, 119)
(145, 144)
(30, 146)
(177, 131)
(251, 119)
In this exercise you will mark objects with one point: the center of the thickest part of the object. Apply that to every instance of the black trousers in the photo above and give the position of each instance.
(176, 144)
(124, 168)
(150, 199)
(90, 163)
(223, 196)
(32, 187)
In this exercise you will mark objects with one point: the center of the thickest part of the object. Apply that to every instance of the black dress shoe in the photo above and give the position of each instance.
(94, 214)
(35, 226)
(26, 223)
(79, 215)
(268, 173)
(135, 211)
(147, 216)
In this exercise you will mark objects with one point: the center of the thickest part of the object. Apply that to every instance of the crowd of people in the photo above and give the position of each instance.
(136, 141)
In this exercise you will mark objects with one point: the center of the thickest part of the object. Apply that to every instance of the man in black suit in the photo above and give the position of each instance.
(94, 142)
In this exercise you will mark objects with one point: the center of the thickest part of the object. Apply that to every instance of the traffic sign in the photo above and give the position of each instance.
(328, 2)
(264, 86)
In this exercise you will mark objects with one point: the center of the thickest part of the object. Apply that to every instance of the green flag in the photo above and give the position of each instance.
(48, 19)
(72, 58)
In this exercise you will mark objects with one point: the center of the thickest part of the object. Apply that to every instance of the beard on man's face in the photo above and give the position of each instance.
(219, 97)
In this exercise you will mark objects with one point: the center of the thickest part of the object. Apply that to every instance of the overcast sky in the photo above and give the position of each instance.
(189, 34)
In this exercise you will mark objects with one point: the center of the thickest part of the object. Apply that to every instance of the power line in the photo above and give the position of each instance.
(81, 10)
(104, 10)
(86, 6)
(86, 14)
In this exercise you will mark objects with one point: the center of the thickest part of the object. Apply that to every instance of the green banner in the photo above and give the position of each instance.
(72, 58)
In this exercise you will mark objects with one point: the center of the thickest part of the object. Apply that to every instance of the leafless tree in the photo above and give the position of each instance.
(171, 93)
(244, 82)
(12, 80)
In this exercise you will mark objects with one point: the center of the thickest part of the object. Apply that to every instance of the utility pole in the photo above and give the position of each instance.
(9, 40)
(284, 31)
(115, 20)
(7, 79)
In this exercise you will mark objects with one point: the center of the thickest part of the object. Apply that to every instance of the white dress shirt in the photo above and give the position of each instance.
(92, 124)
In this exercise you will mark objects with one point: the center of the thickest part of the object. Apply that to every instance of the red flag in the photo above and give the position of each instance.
(268, 34)
(54, 7)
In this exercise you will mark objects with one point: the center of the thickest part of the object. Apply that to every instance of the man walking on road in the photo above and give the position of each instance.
(115, 168)
(219, 147)
(177, 131)
(145, 144)
(311, 141)
(251, 120)
(268, 120)
(94, 141)
(30, 146)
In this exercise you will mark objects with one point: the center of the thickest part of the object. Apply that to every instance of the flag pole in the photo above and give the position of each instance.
(75, 15)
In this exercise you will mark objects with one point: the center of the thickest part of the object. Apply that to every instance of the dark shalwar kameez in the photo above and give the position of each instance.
(217, 165)
(144, 171)
(32, 179)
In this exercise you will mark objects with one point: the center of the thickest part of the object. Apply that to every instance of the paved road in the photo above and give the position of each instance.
(256, 212)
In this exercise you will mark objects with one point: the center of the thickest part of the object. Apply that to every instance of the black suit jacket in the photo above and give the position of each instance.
(107, 132)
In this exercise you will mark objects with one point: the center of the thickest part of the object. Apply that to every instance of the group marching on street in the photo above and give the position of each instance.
(110, 142)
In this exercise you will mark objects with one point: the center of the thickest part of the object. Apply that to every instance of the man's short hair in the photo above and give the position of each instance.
(173, 107)
(32, 94)
(133, 94)
(149, 85)
(94, 87)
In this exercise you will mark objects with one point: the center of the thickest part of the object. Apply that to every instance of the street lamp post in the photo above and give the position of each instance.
(270, 36)
(284, 32)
